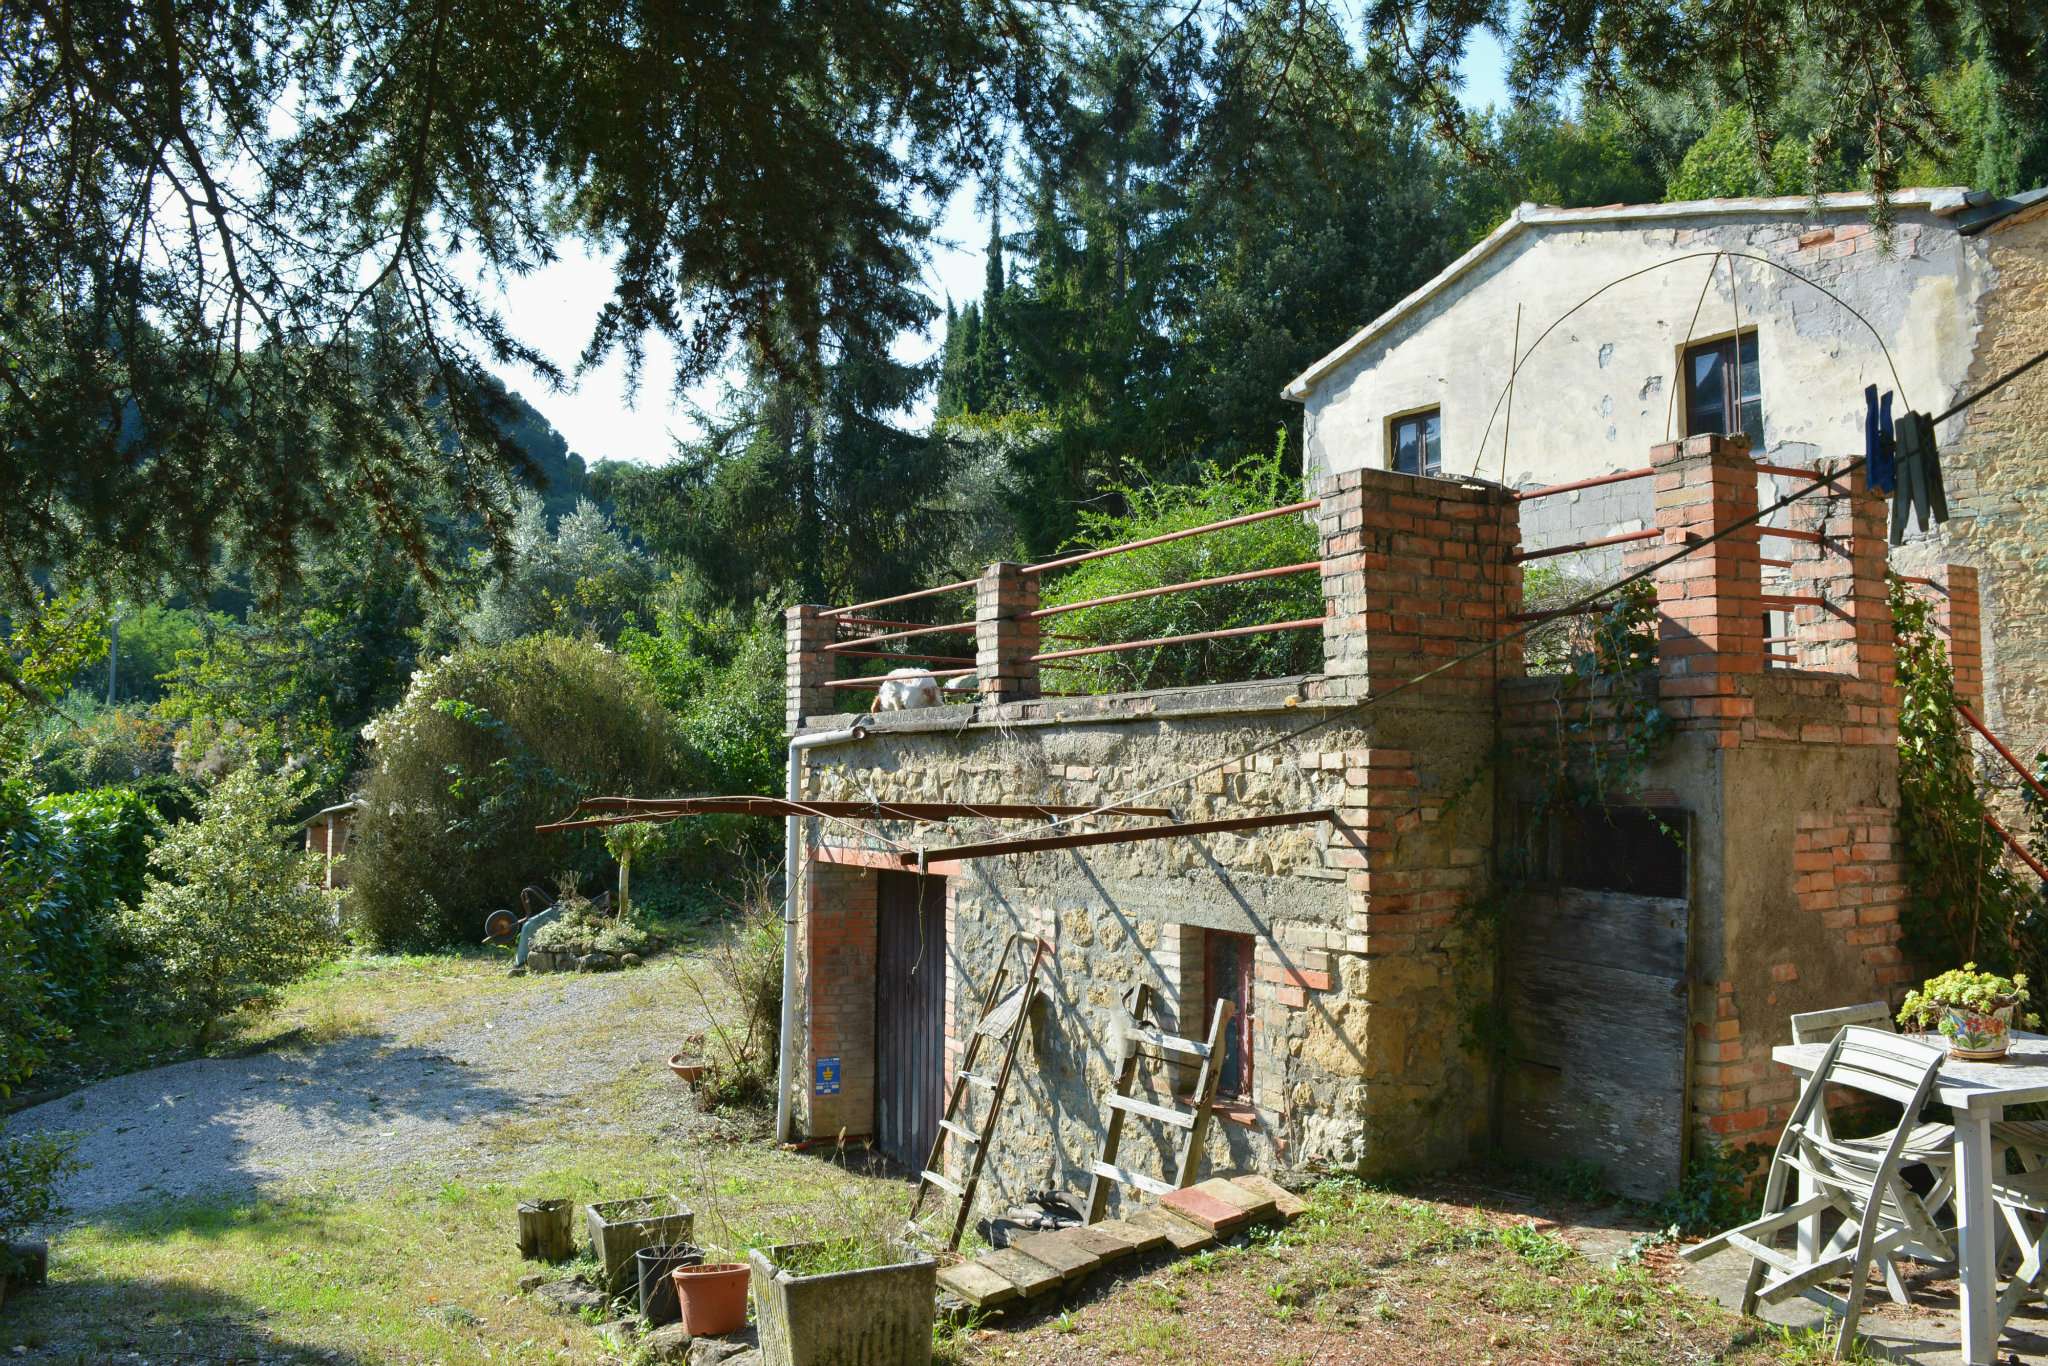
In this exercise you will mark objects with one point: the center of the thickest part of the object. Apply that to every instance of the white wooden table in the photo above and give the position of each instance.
(1978, 1093)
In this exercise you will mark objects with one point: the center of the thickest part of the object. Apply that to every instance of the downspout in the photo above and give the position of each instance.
(790, 839)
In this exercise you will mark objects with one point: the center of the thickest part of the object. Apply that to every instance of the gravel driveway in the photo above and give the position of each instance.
(422, 1091)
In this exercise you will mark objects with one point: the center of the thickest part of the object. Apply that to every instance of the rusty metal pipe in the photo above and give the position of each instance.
(1302, 625)
(1621, 477)
(1247, 519)
(1647, 534)
(837, 612)
(1136, 594)
(2003, 752)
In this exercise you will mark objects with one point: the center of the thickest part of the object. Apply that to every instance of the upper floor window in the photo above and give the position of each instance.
(1418, 443)
(1711, 406)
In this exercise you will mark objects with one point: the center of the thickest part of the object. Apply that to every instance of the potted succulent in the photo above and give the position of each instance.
(1975, 1010)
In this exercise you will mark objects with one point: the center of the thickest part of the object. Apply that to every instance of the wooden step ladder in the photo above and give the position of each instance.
(1005, 1015)
(1140, 1030)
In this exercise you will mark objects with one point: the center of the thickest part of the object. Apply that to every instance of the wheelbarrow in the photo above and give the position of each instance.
(535, 910)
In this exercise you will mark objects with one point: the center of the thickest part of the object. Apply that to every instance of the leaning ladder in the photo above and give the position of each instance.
(1005, 1013)
(1139, 1029)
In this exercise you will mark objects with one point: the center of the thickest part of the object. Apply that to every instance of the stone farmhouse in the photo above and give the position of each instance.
(1326, 852)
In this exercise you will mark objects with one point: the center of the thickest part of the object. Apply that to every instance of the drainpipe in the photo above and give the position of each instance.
(790, 838)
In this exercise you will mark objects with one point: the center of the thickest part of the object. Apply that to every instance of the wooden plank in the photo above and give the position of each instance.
(977, 1284)
(1057, 1250)
(1597, 1010)
(1165, 1114)
(1029, 1276)
(1136, 1237)
(1137, 1180)
(1286, 1202)
(1257, 1206)
(1185, 1236)
(1172, 1043)
(942, 1182)
(1216, 1215)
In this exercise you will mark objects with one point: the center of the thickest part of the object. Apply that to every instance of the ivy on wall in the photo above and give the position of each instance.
(1964, 900)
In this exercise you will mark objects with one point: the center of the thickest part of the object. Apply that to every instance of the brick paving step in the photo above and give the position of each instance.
(977, 1284)
(1256, 1207)
(1028, 1276)
(1106, 1246)
(1134, 1236)
(1184, 1234)
(1060, 1251)
(1285, 1202)
(1218, 1216)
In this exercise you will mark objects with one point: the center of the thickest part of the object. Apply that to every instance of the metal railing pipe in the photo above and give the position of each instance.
(1619, 477)
(2003, 752)
(1647, 534)
(1132, 596)
(1302, 625)
(1306, 505)
(837, 612)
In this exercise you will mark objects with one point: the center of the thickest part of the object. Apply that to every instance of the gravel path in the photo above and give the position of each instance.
(422, 1091)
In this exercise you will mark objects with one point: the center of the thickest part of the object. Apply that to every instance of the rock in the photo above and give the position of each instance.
(533, 1281)
(598, 962)
(737, 1350)
(518, 970)
(29, 1263)
(571, 1296)
(629, 960)
(670, 1343)
(619, 1334)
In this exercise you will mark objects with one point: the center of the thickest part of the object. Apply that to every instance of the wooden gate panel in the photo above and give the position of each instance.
(1595, 986)
(910, 1011)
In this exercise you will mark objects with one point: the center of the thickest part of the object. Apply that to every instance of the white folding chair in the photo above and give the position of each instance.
(1858, 1179)
(2023, 1200)
(1933, 1144)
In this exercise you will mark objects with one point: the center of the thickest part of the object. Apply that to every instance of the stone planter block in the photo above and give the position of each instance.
(878, 1316)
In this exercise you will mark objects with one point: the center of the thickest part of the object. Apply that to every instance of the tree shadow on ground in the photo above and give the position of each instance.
(233, 1126)
(106, 1318)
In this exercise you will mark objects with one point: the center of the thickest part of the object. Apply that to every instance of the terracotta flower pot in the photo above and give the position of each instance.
(1980, 1036)
(688, 1068)
(713, 1298)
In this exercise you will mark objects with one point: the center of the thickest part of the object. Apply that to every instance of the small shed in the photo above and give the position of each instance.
(327, 834)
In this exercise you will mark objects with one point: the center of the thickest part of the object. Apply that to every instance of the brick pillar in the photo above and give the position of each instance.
(808, 631)
(1004, 637)
(839, 1014)
(1956, 608)
(1852, 634)
(1711, 617)
(1416, 571)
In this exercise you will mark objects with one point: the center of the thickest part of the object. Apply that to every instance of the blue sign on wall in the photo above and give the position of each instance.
(828, 1077)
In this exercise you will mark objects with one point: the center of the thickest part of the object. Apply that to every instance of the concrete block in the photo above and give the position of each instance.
(977, 1284)
(1183, 1234)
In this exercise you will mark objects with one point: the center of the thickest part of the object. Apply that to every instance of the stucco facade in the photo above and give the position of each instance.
(1609, 300)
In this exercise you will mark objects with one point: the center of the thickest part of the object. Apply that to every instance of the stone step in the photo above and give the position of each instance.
(1200, 1207)
(1060, 1250)
(1286, 1202)
(1183, 1234)
(1133, 1236)
(977, 1284)
(1028, 1276)
(1106, 1246)
(1256, 1207)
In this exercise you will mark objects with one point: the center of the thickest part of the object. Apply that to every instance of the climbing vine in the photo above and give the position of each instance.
(1964, 901)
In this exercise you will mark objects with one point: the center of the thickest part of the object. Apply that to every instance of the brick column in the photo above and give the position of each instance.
(808, 631)
(1956, 608)
(1852, 634)
(1004, 638)
(1415, 572)
(839, 1015)
(1711, 618)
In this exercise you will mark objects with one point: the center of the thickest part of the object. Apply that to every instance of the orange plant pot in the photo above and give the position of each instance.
(713, 1298)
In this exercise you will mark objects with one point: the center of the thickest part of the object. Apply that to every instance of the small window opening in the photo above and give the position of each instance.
(1418, 443)
(1711, 407)
(1227, 960)
(1639, 850)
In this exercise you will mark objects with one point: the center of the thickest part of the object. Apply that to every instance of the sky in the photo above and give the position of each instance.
(602, 419)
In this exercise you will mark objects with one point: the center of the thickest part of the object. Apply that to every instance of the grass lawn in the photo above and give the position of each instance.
(416, 1262)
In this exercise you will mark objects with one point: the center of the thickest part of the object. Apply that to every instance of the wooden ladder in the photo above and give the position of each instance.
(1005, 1014)
(1140, 1030)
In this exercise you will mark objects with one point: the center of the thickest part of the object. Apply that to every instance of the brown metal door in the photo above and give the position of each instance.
(910, 1011)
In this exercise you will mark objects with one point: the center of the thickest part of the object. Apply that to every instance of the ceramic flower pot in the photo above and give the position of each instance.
(1979, 1036)
(689, 1068)
(713, 1298)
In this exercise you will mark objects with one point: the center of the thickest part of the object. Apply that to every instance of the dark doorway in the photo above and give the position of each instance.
(910, 1015)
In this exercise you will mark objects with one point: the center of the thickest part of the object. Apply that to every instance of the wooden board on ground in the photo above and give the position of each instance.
(1257, 1207)
(1059, 1250)
(1284, 1200)
(1218, 1216)
(1029, 1276)
(977, 1284)
(1184, 1235)
(1134, 1236)
(1598, 1012)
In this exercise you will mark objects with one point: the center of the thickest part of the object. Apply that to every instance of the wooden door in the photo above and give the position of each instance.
(1598, 1035)
(910, 1015)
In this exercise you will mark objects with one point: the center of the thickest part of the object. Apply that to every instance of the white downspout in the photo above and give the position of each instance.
(790, 839)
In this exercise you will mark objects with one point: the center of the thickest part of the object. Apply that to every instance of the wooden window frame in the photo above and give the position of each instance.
(1416, 416)
(1244, 996)
(1729, 347)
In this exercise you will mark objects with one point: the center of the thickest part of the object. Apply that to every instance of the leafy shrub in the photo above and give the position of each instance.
(83, 855)
(232, 910)
(1218, 492)
(486, 744)
(109, 746)
(31, 1166)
